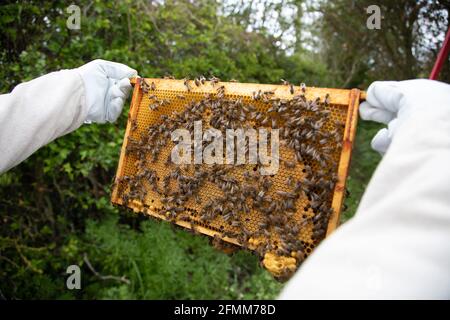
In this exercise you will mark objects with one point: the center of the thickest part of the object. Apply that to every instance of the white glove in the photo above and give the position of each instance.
(107, 86)
(396, 103)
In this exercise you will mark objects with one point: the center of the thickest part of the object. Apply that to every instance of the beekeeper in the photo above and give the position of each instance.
(398, 243)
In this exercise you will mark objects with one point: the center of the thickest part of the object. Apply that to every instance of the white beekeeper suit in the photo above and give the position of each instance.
(398, 244)
(39, 111)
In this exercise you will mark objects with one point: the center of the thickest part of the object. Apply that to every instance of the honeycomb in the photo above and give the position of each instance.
(341, 119)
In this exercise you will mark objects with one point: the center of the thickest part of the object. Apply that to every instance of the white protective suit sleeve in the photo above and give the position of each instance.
(398, 244)
(41, 110)
(37, 112)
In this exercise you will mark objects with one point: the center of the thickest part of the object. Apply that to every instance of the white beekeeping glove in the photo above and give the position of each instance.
(106, 86)
(397, 102)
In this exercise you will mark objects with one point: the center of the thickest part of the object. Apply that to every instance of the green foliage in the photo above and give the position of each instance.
(172, 264)
(405, 47)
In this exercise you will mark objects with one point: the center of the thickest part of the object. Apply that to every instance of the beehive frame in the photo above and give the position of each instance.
(343, 102)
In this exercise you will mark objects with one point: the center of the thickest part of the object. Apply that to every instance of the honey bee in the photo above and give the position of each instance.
(183, 217)
(286, 194)
(134, 125)
(326, 101)
(214, 80)
(289, 181)
(318, 234)
(144, 85)
(263, 225)
(193, 227)
(257, 115)
(256, 95)
(153, 106)
(339, 124)
(187, 85)
(266, 184)
(303, 87)
(126, 199)
(298, 255)
(236, 223)
(289, 164)
(265, 121)
(220, 92)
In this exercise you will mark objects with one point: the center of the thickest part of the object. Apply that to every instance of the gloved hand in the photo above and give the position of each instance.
(106, 86)
(400, 103)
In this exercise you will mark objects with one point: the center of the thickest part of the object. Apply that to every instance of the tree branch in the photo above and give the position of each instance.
(122, 279)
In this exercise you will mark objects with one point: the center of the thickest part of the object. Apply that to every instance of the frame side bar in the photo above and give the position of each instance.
(344, 162)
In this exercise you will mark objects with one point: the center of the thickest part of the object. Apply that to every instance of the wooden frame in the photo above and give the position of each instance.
(342, 97)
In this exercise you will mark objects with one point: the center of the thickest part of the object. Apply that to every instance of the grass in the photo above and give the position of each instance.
(162, 262)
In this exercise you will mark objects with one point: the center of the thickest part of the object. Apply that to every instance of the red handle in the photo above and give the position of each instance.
(442, 56)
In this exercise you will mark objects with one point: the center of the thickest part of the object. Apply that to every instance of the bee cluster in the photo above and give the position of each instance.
(283, 214)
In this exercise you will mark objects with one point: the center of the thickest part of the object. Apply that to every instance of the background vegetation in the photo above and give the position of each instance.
(54, 207)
